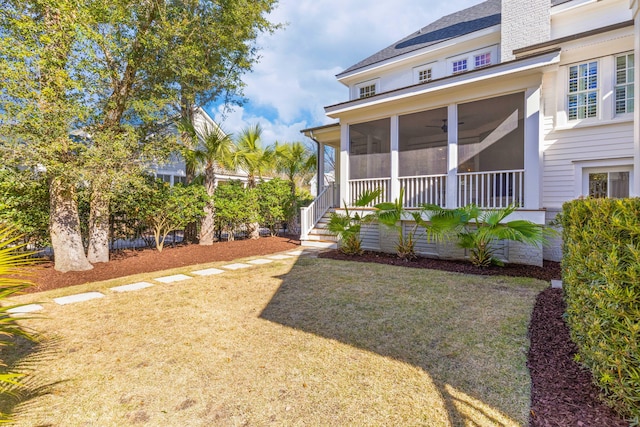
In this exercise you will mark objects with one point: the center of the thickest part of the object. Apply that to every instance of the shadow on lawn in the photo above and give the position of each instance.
(22, 355)
(392, 320)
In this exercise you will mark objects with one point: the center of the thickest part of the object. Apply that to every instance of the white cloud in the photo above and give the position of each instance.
(295, 77)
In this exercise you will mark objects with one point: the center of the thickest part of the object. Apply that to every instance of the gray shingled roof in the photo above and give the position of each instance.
(457, 24)
(483, 15)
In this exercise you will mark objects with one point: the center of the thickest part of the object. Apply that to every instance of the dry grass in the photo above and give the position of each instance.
(306, 342)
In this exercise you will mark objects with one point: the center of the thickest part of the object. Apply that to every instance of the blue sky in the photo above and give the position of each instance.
(295, 78)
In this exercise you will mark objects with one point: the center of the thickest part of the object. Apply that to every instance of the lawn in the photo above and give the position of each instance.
(296, 342)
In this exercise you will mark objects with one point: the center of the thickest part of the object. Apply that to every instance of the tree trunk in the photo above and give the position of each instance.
(98, 227)
(293, 222)
(207, 227)
(254, 230)
(64, 225)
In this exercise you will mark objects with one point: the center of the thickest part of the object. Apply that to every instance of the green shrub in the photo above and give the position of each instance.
(235, 206)
(275, 203)
(601, 281)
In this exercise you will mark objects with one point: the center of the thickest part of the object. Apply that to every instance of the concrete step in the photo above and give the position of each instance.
(313, 235)
(319, 244)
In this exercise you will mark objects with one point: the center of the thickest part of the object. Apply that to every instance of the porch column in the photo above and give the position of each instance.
(345, 193)
(395, 162)
(634, 191)
(452, 156)
(532, 150)
(320, 174)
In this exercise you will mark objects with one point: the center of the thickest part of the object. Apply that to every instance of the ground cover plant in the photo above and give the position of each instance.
(281, 344)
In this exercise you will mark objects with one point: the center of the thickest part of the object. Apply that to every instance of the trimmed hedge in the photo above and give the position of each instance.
(601, 281)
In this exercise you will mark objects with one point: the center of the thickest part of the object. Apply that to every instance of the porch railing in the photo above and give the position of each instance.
(495, 189)
(431, 189)
(358, 187)
(310, 215)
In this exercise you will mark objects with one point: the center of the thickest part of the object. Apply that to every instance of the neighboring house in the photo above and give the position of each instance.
(516, 101)
(173, 170)
(329, 179)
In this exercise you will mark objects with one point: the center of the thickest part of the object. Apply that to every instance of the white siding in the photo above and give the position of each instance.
(566, 147)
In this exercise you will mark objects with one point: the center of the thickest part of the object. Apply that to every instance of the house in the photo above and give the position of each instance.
(173, 170)
(530, 102)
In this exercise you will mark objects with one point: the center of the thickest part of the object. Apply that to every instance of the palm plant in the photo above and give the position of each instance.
(346, 226)
(254, 160)
(214, 150)
(391, 214)
(12, 281)
(476, 229)
(294, 160)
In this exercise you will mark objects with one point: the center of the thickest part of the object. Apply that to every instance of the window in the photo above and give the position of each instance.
(583, 91)
(367, 91)
(424, 75)
(609, 184)
(459, 66)
(624, 83)
(179, 180)
(482, 60)
(164, 177)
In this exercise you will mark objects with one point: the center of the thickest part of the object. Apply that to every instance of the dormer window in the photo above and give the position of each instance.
(482, 60)
(473, 60)
(424, 75)
(459, 66)
(367, 91)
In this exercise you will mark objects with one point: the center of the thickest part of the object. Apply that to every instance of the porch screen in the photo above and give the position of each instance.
(369, 150)
(491, 134)
(423, 143)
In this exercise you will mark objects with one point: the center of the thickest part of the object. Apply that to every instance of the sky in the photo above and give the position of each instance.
(295, 77)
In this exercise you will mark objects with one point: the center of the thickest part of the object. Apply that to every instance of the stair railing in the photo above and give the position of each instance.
(310, 215)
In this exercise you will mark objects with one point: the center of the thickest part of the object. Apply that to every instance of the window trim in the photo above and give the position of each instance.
(582, 169)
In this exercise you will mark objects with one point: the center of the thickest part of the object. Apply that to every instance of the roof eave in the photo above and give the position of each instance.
(531, 62)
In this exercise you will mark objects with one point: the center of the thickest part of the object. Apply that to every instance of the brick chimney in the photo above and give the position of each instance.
(524, 22)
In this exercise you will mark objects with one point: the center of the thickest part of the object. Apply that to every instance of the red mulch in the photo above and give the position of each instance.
(128, 262)
(562, 393)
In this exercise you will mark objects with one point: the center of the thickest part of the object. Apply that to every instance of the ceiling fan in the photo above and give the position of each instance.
(444, 127)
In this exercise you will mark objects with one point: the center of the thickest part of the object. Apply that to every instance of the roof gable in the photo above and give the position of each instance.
(478, 17)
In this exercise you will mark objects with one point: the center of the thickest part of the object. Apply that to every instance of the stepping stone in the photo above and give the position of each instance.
(208, 272)
(280, 256)
(260, 261)
(23, 309)
(71, 299)
(236, 266)
(174, 278)
(132, 287)
(296, 253)
(556, 284)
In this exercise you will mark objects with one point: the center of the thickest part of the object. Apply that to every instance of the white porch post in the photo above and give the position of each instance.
(452, 156)
(635, 185)
(532, 150)
(320, 173)
(395, 162)
(344, 164)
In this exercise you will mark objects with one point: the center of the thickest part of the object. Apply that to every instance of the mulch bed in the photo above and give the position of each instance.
(562, 393)
(550, 270)
(129, 262)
